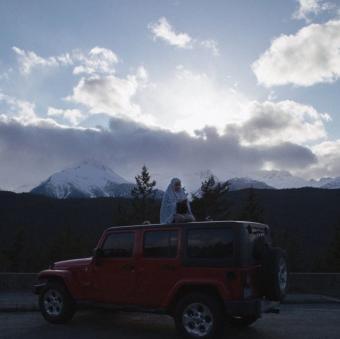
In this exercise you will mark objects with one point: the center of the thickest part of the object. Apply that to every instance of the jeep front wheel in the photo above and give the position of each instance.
(198, 316)
(55, 303)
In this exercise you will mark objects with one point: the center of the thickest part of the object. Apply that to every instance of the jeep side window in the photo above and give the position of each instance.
(119, 245)
(160, 244)
(210, 243)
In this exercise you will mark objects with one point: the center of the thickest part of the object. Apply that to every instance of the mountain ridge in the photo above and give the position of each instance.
(91, 179)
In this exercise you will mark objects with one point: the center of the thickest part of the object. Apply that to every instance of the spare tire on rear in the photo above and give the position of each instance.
(274, 274)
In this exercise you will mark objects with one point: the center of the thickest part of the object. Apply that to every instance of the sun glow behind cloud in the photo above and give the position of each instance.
(186, 100)
(190, 100)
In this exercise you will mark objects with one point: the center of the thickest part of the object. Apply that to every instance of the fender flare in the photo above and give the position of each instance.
(59, 275)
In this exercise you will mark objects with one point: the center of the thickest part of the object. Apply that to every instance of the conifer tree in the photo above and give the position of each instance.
(143, 192)
(144, 186)
(252, 210)
(209, 203)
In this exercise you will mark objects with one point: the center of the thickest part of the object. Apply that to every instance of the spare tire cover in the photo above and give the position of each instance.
(274, 274)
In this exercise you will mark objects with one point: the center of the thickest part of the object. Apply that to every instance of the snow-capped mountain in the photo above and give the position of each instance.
(87, 180)
(24, 188)
(283, 179)
(321, 182)
(332, 183)
(91, 179)
(236, 184)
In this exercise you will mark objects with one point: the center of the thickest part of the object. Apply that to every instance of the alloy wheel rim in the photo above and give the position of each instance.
(53, 302)
(197, 320)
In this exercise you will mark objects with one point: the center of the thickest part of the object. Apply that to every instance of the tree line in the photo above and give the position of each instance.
(42, 230)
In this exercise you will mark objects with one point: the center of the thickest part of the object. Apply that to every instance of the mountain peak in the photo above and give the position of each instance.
(90, 179)
(245, 182)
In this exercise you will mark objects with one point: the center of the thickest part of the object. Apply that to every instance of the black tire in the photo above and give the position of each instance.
(206, 323)
(275, 274)
(55, 303)
(242, 322)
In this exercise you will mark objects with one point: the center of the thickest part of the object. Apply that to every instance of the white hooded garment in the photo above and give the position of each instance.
(169, 202)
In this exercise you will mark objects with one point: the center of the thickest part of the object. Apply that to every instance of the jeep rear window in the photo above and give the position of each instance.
(160, 244)
(210, 243)
(119, 245)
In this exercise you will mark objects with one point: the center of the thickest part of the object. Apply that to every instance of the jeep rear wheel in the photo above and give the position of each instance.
(198, 316)
(55, 303)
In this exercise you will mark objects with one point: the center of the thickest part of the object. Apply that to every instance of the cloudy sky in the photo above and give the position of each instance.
(185, 87)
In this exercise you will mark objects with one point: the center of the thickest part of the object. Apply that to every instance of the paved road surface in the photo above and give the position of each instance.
(318, 321)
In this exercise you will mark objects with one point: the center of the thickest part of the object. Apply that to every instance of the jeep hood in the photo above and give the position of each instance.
(59, 265)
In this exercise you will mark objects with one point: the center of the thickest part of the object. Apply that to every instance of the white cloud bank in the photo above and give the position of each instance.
(328, 160)
(22, 112)
(29, 60)
(275, 122)
(310, 56)
(97, 60)
(185, 101)
(311, 7)
(220, 121)
(190, 101)
(162, 29)
(111, 95)
(73, 116)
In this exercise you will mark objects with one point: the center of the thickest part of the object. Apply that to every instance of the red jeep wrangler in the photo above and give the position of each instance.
(201, 273)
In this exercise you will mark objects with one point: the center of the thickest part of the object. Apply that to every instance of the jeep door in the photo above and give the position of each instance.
(158, 266)
(114, 271)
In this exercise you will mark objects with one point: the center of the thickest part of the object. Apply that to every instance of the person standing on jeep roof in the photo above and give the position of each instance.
(175, 206)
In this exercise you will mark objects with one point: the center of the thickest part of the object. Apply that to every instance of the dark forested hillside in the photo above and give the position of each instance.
(35, 230)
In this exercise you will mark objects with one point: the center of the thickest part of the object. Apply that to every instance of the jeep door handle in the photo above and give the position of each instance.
(168, 267)
(128, 267)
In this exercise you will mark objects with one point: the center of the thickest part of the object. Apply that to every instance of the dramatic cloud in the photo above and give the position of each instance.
(310, 56)
(98, 60)
(73, 116)
(311, 7)
(328, 155)
(273, 122)
(31, 153)
(110, 94)
(199, 122)
(164, 31)
(189, 100)
(22, 112)
(29, 60)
